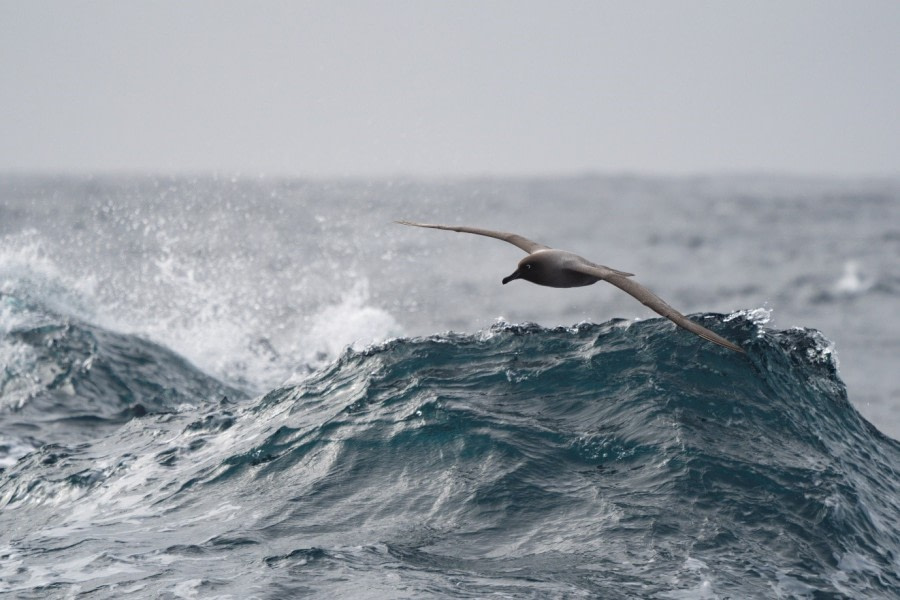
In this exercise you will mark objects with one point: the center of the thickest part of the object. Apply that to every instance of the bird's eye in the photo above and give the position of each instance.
(529, 266)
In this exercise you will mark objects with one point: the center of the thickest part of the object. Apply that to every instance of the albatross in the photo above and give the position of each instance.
(563, 269)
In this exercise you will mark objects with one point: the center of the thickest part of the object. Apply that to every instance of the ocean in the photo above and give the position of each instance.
(249, 387)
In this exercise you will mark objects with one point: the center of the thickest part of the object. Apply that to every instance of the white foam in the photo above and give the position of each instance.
(759, 316)
(787, 586)
(823, 349)
(853, 281)
(252, 337)
(15, 449)
(19, 380)
(27, 271)
(75, 571)
(187, 589)
(352, 322)
(213, 311)
(703, 590)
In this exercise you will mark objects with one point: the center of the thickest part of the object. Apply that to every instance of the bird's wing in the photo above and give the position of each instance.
(514, 239)
(655, 303)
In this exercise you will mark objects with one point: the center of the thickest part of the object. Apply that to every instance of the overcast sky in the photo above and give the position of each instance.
(425, 88)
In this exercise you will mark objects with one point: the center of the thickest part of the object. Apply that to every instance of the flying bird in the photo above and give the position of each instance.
(559, 268)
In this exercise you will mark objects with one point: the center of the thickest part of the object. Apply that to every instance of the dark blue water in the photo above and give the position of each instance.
(181, 417)
(615, 460)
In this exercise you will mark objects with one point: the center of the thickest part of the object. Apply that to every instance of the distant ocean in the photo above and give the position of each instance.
(261, 388)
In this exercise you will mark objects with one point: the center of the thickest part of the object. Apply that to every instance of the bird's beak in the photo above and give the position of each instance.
(515, 275)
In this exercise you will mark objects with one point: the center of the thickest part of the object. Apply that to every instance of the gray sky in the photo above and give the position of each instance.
(417, 87)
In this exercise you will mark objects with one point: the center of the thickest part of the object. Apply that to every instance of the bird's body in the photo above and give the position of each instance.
(563, 269)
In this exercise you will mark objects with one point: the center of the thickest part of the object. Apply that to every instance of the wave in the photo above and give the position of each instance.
(65, 380)
(618, 460)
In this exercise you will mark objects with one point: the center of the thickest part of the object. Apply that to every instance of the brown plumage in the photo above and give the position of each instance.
(559, 268)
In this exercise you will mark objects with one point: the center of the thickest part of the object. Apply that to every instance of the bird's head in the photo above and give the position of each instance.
(528, 269)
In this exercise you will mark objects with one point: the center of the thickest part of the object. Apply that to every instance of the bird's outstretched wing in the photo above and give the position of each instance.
(514, 239)
(656, 304)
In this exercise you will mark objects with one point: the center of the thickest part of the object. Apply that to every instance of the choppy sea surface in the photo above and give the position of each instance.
(253, 388)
